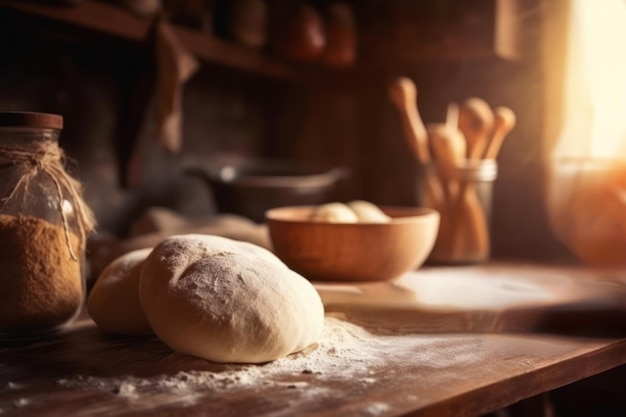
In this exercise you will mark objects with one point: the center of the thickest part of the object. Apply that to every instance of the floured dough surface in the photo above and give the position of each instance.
(227, 301)
(113, 302)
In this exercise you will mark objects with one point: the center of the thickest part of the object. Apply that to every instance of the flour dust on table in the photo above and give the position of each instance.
(345, 352)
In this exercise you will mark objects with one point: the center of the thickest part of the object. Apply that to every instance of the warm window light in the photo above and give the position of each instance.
(587, 198)
(595, 93)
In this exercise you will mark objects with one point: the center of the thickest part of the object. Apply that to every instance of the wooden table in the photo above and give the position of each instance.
(83, 372)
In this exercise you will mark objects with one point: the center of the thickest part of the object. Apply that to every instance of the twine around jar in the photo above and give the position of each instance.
(49, 159)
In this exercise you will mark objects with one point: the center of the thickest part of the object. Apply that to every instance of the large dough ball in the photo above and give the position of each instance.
(227, 301)
(368, 212)
(114, 299)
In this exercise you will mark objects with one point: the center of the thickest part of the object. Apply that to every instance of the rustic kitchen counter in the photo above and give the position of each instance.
(353, 371)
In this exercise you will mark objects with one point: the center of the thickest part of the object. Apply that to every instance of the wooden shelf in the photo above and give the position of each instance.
(114, 21)
(217, 51)
(419, 32)
(405, 32)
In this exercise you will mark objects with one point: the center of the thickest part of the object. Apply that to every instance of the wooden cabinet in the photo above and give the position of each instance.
(105, 19)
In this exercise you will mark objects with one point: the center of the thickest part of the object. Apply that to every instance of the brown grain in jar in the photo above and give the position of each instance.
(44, 223)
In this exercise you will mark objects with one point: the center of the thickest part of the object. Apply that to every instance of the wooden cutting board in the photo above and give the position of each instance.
(494, 298)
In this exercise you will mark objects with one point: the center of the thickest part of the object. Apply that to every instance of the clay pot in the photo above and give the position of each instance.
(248, 22)
(341, 40)
(300, 34)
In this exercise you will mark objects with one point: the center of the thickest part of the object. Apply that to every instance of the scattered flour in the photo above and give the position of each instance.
(127, 389)
(345, 352)
(21, 402)
(376, 409)
(12, 385)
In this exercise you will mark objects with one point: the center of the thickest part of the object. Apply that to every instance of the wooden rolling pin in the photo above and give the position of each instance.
(403, 94)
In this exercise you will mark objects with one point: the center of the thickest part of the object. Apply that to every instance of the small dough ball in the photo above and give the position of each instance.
(334, 213)
(158, 220)
(367, 212)
(227, 301)
(114, 299)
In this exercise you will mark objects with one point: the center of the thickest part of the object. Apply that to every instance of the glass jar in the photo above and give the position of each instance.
(587, 208)
(464, 231)
(42, 233)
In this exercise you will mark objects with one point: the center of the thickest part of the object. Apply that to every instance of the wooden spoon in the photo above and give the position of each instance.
(466, 236)
(504, 122)
(448, 145)
(449, 148)
(476, 122)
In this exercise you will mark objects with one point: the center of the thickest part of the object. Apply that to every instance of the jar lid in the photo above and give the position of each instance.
(31, 119)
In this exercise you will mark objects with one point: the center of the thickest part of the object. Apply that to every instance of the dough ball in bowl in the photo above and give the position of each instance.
(356, 211)
(227, 301)
(113, 302)
(334, 213)
(368, 212)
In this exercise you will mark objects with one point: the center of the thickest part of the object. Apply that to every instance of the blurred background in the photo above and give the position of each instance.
(150, 88)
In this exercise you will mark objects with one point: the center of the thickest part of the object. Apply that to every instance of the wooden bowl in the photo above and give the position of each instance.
(353, 251)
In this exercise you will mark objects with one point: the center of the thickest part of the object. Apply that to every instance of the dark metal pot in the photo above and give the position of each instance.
(251, 187)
